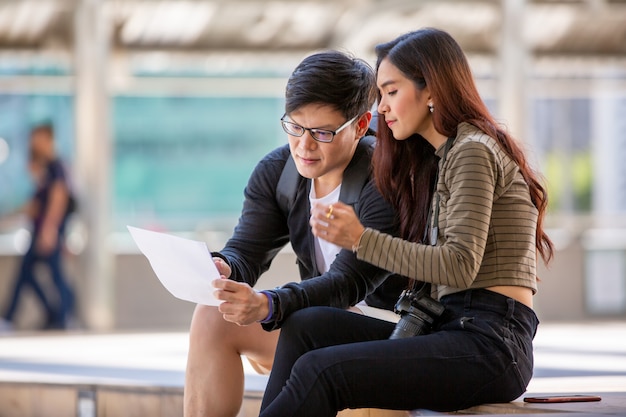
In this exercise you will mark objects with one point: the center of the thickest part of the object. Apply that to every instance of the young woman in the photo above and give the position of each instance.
(485, 228)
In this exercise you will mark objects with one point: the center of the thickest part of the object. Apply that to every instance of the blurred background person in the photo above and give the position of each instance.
(47, 211)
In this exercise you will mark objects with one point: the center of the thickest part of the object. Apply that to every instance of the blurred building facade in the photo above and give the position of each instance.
(163, 108)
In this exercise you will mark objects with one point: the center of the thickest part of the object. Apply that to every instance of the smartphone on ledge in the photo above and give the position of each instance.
(562, 398)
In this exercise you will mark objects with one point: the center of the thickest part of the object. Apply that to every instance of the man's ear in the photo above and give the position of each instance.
(363, 123)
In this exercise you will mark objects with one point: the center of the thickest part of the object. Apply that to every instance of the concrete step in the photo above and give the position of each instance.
(68, 374)
(100, 375)
(23, 399)
(142, 374)
(611, 404)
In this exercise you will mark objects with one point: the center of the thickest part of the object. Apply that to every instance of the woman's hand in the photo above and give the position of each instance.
(337, 224)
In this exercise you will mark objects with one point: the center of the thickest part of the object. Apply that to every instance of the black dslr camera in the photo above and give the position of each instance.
(418, 311)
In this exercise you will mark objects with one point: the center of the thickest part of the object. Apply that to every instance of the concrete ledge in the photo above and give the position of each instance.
(140, 374)
(62, 400)
(611, 403)
(27, 399)
(52, 400)
(105, 375)
(372, 412)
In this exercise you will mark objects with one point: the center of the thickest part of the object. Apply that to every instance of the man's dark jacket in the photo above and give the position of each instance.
(264, 229)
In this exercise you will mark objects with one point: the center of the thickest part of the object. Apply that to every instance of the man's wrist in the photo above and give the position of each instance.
(270, 304)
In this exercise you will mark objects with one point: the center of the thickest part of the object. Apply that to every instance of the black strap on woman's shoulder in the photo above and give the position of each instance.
(432, 222)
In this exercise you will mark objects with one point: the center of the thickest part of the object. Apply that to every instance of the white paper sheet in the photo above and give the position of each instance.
(185, 267)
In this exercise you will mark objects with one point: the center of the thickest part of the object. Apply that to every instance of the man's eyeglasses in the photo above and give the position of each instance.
(320, 135)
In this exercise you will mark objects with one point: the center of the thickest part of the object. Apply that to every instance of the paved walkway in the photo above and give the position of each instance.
(569, 358)
(587, 358)
(580, 358)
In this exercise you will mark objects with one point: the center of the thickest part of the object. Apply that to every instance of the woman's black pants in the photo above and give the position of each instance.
(330, 359)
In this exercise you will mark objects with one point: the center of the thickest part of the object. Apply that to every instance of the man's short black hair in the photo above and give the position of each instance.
(332, 78)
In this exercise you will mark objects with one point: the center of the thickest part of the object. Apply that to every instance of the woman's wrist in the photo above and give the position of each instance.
(357, 244)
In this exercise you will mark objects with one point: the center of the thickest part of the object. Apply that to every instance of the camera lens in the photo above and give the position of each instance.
(408, 326)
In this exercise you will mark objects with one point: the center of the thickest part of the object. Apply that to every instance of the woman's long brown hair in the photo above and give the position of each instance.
(431, 57)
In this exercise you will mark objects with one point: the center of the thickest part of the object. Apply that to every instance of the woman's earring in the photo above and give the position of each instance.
(431, 107)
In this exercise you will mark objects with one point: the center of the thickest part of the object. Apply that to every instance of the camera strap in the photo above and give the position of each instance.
(432, 221)
(418, 310)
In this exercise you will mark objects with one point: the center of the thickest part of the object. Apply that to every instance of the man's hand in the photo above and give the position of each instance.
(222, 267)
(241, 304)
(47, 240)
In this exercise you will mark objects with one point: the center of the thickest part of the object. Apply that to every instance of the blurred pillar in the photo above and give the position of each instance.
(512, 98)
(93, 140)
(609, 149)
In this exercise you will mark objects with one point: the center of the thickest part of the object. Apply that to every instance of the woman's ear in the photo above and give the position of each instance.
(429, 97)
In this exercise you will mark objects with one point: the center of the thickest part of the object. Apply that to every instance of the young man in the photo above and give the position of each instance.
(327, 113)
(48, 210)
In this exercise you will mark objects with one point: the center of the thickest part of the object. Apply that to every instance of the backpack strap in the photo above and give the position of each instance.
(358, 172)
(287, 186)
(354, 177)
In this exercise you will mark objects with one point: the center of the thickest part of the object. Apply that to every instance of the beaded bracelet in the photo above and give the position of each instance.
(270, 301)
